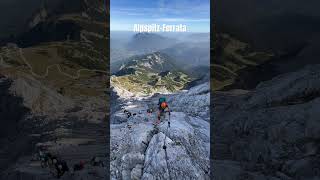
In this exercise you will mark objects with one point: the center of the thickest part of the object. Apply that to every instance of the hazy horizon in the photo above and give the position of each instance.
(195, 14)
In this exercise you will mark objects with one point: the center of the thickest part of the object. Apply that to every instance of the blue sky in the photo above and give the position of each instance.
(193, 13)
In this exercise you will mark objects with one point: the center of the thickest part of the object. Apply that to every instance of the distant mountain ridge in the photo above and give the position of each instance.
(156, 62)
(149, 74)
(190, 56)
(57, 20)
(149, 42)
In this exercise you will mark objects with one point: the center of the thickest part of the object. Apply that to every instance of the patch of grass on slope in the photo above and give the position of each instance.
(233, 56)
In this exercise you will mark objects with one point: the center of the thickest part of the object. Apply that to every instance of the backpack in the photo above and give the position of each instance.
(161, 100)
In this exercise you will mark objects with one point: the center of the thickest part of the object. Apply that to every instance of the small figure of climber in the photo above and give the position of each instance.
(45, 159)
(128, 113)
(59, 170)
(149, 111)
(79, 166)
(61, 167)
(96, 161)
(163, 108)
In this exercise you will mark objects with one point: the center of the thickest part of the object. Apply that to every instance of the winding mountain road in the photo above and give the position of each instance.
(50, 66)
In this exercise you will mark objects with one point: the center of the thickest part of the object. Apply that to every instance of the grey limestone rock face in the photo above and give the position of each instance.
(137, 150)
(271, 132)
(33, 93)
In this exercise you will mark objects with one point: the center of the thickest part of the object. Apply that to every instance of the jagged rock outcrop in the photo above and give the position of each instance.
(271, 132)
(38, 17)
(194, 102)
(40, 99)
(14, 121)
(12, 109)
